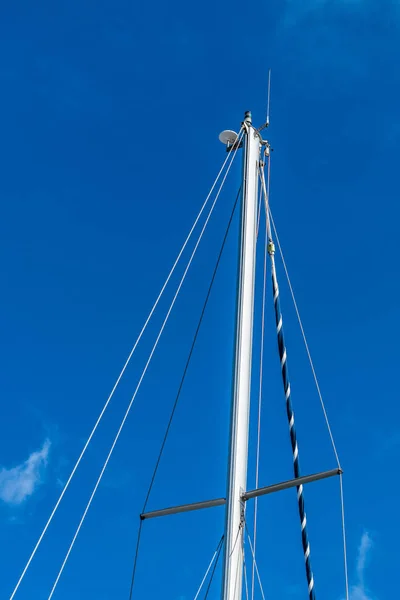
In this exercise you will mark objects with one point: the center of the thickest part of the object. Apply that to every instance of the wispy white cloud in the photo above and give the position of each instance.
(359, 591)
(20, 482)
(363, 551)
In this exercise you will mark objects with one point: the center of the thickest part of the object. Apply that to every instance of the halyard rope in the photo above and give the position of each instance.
(289, 408)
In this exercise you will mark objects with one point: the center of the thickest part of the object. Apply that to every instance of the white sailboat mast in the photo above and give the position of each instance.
(238, 456)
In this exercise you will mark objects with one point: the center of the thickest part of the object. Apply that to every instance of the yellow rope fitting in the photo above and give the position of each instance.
(271, 248)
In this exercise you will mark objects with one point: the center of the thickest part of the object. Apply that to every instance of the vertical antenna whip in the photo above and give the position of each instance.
(266, 122)
(269, 97)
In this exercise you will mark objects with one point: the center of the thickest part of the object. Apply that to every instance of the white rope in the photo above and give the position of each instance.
(306, 343)
(237, 574)
(265, 189)
(245, 577)
(207, 572)
(346, 574)
(259, 212)
(139, 382)
(116, 384)
(255, 562)
(259, 410)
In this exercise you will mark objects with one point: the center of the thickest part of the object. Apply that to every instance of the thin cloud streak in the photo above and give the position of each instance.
(360, 590)
(20, 482)
(365, 546)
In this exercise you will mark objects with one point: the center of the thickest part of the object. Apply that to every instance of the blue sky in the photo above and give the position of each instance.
(110, 119)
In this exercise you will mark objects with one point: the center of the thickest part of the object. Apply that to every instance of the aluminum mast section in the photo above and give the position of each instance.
(237, 495)
(239, 428)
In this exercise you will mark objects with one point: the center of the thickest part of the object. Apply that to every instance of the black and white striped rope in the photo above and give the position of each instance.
(270, 221)
(290, 416)
(286, 382)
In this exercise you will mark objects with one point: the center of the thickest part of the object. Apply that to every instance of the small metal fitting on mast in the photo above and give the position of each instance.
(247, 117)
(271, 248)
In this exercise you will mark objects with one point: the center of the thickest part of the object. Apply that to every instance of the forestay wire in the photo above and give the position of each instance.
(214, 569)
(140, 381)
(189, 358)
(102, 412)
(214, 560)
(174, 407)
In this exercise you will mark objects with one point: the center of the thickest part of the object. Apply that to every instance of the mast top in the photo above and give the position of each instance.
(247, 117)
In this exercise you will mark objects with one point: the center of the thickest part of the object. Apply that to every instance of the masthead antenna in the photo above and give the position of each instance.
(266, 123)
